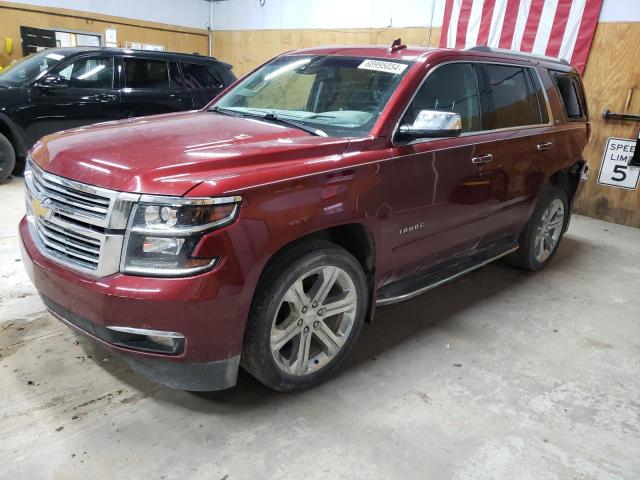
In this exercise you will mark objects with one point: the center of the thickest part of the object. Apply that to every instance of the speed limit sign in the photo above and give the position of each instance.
(615, 169)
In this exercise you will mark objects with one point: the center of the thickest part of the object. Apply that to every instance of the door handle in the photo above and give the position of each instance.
(483, 159)
(104, 97)
(544, 146)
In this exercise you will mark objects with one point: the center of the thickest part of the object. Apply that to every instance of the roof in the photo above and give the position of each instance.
(379, 51)
(77, 50)
(413, 53)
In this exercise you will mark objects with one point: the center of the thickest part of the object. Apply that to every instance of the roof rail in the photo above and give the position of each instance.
(484, 48)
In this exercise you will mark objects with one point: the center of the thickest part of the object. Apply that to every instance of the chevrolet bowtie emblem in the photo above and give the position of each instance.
(40, 209)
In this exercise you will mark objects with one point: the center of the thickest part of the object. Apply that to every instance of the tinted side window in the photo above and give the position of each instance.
(512, 101)
(200, 76)
(450, 88)
(571, 95)
(89, 72)
(143, 73)
(542, 100)
(174, 75)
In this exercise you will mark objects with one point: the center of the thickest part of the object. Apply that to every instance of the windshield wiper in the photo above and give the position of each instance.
(271, 116)
(225, 111)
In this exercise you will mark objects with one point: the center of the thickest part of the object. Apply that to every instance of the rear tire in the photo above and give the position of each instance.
(293, 339)
(7, 158)
(540, 239)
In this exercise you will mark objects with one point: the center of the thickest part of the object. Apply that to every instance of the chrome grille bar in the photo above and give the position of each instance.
(69, 199)
(75, 224)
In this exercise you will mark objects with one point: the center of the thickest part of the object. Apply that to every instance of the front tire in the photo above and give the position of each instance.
(306, 315)
(541, 237)
(7, 158)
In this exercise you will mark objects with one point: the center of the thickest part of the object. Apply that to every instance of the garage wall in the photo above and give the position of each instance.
(246, 49)
(612, 81)
(173, 37)
(193, 13)
(247, 35)
(292, 14)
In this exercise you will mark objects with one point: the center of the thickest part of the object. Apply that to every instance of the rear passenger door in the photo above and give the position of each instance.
(202, 81)
(516, 112)
(151, 86)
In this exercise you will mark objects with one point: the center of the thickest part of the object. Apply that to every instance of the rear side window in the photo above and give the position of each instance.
(200, 76)
(512, 99)
(143, 73)
(174, 75)
(570, 91)
(450, 88)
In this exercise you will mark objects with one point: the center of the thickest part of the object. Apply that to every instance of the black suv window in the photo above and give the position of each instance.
(89, 72)
(571, 93)
(200, 76)
(450, 88)
(512, 100)
(144, 73)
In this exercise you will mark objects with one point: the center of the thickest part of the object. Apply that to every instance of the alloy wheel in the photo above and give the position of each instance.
(314, 320)
(549, 230)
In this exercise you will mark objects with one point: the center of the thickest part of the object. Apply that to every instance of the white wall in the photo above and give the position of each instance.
(620, 11)
(287, 14)
(185, 13)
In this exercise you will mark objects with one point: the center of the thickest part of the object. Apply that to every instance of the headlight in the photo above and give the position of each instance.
(164, 231)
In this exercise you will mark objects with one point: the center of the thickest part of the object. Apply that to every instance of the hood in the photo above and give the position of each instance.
(171, 154)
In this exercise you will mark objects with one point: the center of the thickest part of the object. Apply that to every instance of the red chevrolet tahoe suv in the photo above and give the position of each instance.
(264, 230)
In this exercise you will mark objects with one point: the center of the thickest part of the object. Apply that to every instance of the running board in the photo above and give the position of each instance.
(444, 272)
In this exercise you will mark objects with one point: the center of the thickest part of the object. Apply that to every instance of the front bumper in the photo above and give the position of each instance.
(207, 310)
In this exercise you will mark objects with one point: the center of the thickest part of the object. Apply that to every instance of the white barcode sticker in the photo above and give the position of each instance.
(382, 66)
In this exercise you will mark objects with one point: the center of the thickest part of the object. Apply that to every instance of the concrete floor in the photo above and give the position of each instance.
(500, 375)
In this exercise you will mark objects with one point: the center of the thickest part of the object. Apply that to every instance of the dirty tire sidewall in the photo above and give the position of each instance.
(7, 158)
(277, 278)
(525, 257)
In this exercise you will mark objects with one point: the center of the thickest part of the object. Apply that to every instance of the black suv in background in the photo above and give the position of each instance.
(63, 88)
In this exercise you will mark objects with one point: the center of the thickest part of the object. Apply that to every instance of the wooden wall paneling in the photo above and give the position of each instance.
(174, 38)
(247, 49)
(613, 69)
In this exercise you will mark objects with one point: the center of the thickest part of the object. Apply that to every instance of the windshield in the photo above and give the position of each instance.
(340, 96)
(29, 67)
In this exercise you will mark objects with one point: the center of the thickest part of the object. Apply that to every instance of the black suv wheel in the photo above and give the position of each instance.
(7, 158)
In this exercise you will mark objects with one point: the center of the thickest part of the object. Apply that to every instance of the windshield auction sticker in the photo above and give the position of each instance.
(615, 169)
(380, 66)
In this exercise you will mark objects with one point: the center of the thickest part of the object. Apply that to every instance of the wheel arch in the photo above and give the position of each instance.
(10, 130)
(356, 238)
(567, 179)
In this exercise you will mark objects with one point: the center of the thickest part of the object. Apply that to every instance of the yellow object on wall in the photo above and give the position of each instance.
(8, 45)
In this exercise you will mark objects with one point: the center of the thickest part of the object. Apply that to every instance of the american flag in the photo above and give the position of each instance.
(556, 28)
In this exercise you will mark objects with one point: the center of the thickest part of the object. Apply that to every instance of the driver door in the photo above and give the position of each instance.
(436, 189)
(84, 94)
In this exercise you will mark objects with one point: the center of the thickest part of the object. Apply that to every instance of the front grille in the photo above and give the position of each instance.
(70, 244)
(69, 199)
(75, 224)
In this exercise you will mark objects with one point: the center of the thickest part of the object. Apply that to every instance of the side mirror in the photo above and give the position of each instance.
(52, 81)
(431, 124)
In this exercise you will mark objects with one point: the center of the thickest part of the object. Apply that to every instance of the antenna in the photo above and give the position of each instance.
(396, 46)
